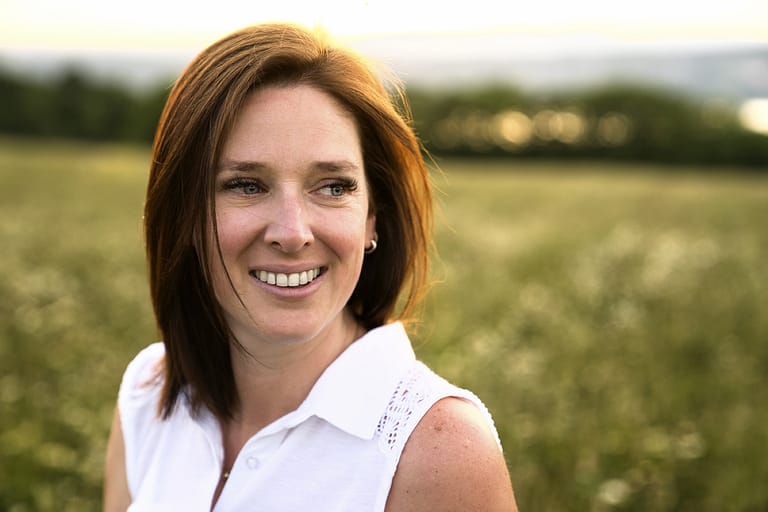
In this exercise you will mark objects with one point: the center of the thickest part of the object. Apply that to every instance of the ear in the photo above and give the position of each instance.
(370, 226)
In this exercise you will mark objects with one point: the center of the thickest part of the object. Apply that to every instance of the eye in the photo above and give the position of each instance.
(245, 186)
(250, 188)
(339, 188)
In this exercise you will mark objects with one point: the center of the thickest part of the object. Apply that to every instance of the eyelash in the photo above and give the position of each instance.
(346, 184)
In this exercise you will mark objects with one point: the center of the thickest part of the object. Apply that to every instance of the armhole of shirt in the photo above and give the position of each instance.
(137, 402)
(416, 393)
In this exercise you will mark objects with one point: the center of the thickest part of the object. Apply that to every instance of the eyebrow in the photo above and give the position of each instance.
(249, 166)
(240, 166)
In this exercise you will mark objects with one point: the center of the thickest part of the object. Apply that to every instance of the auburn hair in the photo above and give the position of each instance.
(200, 111)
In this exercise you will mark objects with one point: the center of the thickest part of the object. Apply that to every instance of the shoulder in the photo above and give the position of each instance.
(116, 495)
(136, 418)
(139, 394)
(452, 461)
(143, 375)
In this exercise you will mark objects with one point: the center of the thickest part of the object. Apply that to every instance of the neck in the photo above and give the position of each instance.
(273, 379)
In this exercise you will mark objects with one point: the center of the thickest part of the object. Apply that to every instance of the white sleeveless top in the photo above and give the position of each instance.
(338, 451)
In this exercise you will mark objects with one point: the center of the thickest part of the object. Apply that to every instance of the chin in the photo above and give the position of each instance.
(287, 329)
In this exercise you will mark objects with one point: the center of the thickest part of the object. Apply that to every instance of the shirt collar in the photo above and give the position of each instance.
(353, 392)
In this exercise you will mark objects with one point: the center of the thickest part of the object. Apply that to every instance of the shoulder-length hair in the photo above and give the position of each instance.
(197, 117)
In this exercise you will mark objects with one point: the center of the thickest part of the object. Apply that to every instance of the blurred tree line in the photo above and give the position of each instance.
(619, 121)
(71, 104)
(616, 121)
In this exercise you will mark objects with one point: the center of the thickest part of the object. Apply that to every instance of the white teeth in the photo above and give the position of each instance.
(287, 280)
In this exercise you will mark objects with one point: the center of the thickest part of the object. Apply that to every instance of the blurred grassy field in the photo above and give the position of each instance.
(612, 317)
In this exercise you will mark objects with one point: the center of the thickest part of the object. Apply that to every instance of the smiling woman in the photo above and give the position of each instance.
(288, 213)
(304, 206)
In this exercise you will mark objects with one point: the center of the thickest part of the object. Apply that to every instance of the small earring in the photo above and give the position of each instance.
(374, 244)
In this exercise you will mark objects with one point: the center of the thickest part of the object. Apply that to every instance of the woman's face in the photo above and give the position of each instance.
(292, 215)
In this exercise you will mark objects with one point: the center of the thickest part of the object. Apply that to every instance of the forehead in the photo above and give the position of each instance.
(271, 99)
(283, 121)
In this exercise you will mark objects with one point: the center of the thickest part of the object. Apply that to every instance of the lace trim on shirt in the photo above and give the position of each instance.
(396, 422)
(416, 392)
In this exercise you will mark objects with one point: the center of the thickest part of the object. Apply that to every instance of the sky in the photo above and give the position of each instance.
(390, 30)
(158, 25)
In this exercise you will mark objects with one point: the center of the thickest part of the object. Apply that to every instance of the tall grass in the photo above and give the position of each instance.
(613, 318)
(73, 308)
(616, 322)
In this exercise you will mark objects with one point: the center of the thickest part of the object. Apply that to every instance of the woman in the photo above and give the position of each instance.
(288, 208)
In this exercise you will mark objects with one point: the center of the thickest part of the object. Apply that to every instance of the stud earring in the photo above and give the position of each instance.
(374, 244)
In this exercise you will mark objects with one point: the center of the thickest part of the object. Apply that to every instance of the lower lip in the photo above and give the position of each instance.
(288, 292)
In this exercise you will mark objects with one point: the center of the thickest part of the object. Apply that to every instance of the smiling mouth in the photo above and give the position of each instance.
(292, 280)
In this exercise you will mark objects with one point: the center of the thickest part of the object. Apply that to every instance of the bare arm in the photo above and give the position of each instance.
(451, 462)
(117, 497)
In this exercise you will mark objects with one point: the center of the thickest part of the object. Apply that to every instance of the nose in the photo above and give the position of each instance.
(289, 229)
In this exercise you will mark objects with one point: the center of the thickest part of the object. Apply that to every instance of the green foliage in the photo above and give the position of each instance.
(73, 105)
(616, 121)
(611, 317)
(73, 310)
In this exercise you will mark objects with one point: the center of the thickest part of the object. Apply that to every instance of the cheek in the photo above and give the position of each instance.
(233, 233)
(348, 233)
(230, 237)
(219, 278)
